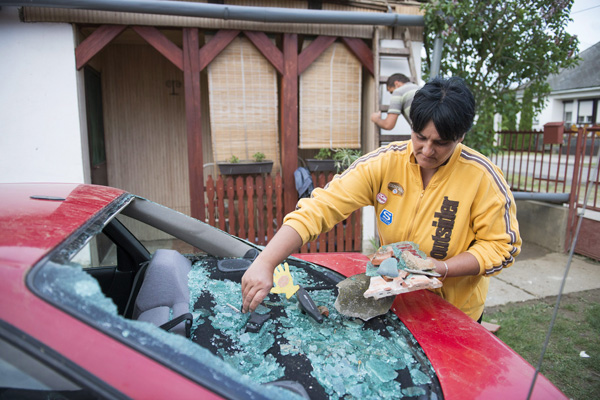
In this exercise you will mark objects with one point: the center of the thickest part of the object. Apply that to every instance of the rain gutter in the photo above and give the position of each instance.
(229, 12)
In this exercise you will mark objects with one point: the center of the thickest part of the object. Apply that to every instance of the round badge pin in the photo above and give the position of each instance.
(381, 198)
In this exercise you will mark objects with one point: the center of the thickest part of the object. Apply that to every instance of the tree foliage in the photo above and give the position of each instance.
(497, 47)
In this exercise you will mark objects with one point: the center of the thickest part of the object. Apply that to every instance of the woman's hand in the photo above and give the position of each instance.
(258, 279)
(256, 285)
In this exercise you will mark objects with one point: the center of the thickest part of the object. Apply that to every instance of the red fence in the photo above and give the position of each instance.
(569, 167)
(251, 207)
(529, 165)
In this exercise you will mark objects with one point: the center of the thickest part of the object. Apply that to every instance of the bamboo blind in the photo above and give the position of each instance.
(145, 132)
(243, 104)
(330, 101)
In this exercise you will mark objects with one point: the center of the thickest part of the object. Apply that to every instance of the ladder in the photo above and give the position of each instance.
(401, 53)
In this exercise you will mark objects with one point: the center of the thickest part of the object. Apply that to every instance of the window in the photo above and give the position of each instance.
(585, 113)
(243, 104)
(568, 114)
(23, 376)
(330, 100)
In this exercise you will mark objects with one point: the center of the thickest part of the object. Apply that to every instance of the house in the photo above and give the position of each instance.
(149, 100)
(575, 95)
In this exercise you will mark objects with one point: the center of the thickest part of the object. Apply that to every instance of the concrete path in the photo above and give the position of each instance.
(538, 273)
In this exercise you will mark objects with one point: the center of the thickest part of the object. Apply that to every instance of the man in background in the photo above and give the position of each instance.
(403, 91)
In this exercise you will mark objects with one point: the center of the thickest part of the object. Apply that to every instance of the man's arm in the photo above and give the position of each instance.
(388, 123)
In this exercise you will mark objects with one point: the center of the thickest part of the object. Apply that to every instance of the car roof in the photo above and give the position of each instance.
(37, 217)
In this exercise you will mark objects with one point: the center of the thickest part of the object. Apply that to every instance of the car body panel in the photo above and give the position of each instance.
(454, 343)
(31, 228)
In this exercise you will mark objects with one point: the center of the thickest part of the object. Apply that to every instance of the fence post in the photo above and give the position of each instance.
(575, 184)
(260, 206)
(210, 200)
(270, 206)
(231, 205)
(239, 185)
(221, 202)
(250, 208)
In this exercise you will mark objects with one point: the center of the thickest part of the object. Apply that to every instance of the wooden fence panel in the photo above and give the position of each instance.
(260, 208)
(230, 207)
(239, 185)
(278, 201)
(210, 203)
(269, 204)
(221, 203)
(252, 208)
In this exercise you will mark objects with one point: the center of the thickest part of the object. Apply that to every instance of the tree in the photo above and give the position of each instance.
(497, 46)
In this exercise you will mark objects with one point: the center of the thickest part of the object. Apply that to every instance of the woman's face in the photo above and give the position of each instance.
(430, 150)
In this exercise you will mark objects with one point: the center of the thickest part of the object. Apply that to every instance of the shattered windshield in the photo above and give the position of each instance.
(341, 357)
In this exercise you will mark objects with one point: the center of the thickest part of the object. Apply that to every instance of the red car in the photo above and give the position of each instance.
(108, 295)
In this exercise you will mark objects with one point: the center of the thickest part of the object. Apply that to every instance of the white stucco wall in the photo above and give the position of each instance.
(40, 138)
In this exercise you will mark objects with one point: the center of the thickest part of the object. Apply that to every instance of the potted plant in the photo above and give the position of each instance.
(323, 161)
(332, 160)
(343, 158)
(235, 166)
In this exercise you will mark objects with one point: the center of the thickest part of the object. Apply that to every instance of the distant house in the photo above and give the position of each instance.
(575, 96)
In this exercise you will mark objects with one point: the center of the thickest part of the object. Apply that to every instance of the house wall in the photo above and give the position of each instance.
(40, 126)
(553, 111)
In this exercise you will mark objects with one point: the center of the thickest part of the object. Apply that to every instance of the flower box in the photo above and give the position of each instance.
(315, 165)
(245, 167)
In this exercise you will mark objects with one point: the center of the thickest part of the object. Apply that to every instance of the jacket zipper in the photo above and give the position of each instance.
(414, 217)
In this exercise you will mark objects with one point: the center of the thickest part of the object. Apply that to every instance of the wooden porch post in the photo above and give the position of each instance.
(191, 78)
(289, 120)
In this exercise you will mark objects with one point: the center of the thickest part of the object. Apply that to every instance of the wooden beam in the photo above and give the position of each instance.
(96, 42)
(289, 120)
(261, 41)
(360, 49)
(191, 77)
(215, 46)
(313, 51)
(161, 43)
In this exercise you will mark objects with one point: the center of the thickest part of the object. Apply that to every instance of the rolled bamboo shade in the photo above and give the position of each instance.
(330, 100)
(243, 104)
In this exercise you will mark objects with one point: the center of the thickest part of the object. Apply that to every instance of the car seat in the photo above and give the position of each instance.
(164, 295)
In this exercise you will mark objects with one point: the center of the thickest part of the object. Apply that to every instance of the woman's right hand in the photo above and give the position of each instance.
(258, 279)
(256, 285)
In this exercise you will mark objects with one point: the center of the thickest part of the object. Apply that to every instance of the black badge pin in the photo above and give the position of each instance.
(396, 188)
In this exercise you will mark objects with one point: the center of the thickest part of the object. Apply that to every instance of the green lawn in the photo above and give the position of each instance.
(524, 327)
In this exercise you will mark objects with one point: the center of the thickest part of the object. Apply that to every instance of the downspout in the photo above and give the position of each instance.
(229, 12)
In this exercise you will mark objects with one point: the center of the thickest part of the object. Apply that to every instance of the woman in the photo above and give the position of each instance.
(432, 190)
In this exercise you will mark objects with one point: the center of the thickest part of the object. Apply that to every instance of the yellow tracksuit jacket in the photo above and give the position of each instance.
(467, 206)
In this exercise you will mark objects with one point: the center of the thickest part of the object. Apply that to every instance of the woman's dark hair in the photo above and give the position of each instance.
(448, 103)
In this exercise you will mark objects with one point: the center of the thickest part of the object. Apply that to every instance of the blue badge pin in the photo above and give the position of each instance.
(386, 216)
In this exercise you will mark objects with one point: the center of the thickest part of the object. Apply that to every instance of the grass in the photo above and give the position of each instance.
(524, 327)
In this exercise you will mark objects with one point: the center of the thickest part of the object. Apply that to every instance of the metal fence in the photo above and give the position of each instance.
(532, 165)
(561, 171)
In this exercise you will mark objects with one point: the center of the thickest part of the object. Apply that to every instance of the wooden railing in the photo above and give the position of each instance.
(251, 207)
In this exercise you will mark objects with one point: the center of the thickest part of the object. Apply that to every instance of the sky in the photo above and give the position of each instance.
(586, 17)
